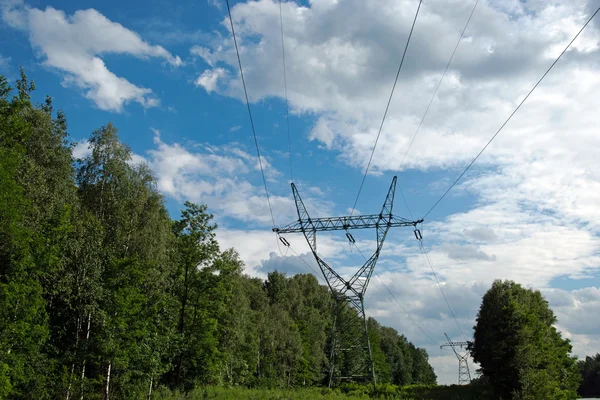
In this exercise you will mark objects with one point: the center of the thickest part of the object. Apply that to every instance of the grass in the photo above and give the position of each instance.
(240, 393)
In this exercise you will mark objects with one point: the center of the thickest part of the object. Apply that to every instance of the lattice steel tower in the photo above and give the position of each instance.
(350, 357)
(464, 376)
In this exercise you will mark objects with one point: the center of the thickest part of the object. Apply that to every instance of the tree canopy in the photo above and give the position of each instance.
(590, 371)
(103, 295)
(520, 352)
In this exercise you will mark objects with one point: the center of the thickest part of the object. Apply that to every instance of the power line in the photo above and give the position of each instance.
(438, 86)
(250, 113)
(317, 275)
(438, 283)
(403, 309)
(363, 256)
(387, 106)
(513, 113)
(431, 102)
(442, 290)
(394, 297)
(434, 274)
(287, 109)
(405, 202)
(382, 282)
(413, 139)
(402, 163)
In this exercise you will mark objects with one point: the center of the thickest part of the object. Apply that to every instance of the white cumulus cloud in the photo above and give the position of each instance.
(222, 177)
(74, 44)
(209, 79)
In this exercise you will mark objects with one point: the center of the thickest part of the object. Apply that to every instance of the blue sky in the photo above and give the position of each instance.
(166, 75)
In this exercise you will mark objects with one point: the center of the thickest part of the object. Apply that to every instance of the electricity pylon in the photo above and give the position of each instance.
(464, 376)
(350, 357)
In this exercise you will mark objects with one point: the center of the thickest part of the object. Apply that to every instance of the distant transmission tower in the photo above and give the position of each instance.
(350, 357)
(464, 376)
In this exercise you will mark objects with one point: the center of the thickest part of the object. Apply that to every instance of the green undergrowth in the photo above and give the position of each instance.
(240, 393)
(345, 392)
(421, 392)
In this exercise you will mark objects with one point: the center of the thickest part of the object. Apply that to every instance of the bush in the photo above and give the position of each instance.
(452, 392)
(347, 391)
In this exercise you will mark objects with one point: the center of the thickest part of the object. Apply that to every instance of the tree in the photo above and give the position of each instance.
(519, 350)
(38, 197)
(590, 371)
(195, 249)
(129, 322)
(381, 362)
(422, 372)
(310, 307)
(397, 360)
(23, 318)
(238, 338)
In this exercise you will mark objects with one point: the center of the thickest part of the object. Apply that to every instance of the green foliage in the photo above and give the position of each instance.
(590, 371)
(452, 392)
(518, 348)
(240, 393)
(196, 278)
(26, 254)
(383, 365)
(396, 360)
(344, 392)
(103, 296)
(420, 391)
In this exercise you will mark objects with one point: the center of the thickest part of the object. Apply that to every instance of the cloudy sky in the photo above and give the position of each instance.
(167, 76)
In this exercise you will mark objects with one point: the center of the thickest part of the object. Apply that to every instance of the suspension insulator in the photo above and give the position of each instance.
(418, 234)
(350, 237)
(284, 241)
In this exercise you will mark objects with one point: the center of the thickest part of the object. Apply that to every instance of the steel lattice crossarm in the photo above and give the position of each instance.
(346, 223)
(455, 344)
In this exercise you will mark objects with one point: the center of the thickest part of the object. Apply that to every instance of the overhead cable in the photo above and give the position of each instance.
(387, 106)
(262, 172)
(438, 86)
(442, 291)
(396, 300)
(405, 312)
(317, 275)
(287, 109)
(513, 113)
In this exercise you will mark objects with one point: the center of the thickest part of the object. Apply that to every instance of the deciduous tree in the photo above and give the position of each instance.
(519, 349)
(590, 371)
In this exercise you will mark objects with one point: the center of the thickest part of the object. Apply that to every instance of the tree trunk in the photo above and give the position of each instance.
(184, 301)
(106, 386)
(87, 337)
(150, 390)
(68, 395)
(229, 370)
(258, 359)
(77, 333)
